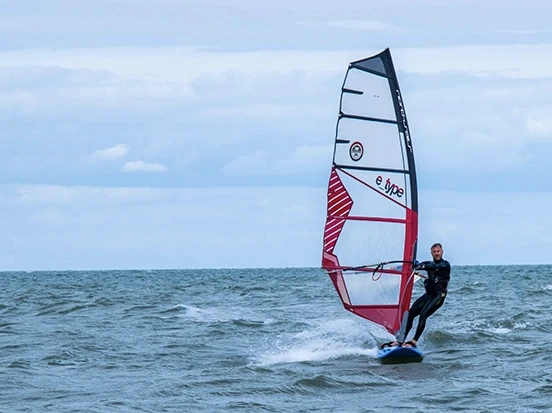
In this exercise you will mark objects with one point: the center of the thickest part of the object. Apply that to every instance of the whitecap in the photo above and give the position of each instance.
(328, 340)
(499, 330)
(318, 350)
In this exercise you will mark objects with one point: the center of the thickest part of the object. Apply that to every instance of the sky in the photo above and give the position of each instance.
(143, 134)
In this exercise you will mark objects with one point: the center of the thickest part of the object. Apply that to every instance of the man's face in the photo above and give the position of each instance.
(437, 253)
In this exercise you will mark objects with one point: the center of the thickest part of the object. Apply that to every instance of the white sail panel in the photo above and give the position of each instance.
(369, 242)
(383, 289)
(375, 100)
(381, 144)
(376, 193)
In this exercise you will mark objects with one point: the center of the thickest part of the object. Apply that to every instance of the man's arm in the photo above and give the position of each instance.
(432, 265)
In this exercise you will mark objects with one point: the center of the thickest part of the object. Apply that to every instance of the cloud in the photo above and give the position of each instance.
(115, 152)
(504, 225)
(138, 166)
(58, 195)
(365, 25)
(303, 159)
(181, 86)
(539, 124)
(31, 194)
(306, 158)
(247, 164)
(525, 31)
(184, 64)
(475, 123)
(146, 77)
(515, 61)
(254, 110)
(265, 112)
(243, 227)
(224, 227)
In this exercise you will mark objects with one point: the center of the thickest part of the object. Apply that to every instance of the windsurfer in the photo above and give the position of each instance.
(436, 283)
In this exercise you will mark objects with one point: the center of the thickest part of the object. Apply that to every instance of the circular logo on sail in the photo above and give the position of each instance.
(356, 151)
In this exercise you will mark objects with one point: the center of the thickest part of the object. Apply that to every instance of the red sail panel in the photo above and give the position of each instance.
(339, 206)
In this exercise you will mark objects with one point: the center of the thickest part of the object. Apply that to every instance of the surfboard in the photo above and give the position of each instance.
(372, 199)
(397, 354)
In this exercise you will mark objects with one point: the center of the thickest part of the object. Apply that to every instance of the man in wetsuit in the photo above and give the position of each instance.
(436, 283)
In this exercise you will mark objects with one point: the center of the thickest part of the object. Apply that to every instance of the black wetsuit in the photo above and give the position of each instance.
(436, 284)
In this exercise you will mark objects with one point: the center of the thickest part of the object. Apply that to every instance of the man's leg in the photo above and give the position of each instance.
(429, 308)
(415, 311)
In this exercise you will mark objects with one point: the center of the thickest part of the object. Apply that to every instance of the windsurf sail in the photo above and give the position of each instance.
(372, 207)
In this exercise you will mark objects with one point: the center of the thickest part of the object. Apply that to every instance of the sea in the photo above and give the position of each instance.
(265, 340)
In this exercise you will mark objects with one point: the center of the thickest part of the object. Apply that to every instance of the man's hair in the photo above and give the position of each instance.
(437, 244)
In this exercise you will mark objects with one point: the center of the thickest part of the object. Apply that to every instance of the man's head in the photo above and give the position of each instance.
(436, 251)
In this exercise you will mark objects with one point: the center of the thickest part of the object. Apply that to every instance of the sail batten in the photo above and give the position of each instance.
(372, 205)
(359, 117)
(367, 168)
